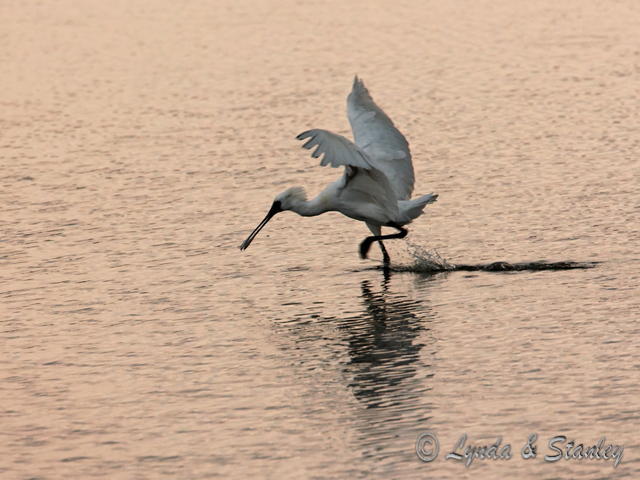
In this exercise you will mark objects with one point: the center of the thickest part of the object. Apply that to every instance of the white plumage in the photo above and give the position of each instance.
(378, 174)
(377, 136)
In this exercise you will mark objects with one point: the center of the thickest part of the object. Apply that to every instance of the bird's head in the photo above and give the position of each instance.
(283, 201)
(290, 197)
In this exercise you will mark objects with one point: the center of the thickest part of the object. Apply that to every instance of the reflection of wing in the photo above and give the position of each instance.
(385, 147)
(337, 149)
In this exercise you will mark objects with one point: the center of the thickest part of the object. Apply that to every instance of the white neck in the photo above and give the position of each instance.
(310, 208)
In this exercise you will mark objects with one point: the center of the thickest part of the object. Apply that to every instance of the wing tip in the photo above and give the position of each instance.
(303, 135)
(358, 83)
(359, 91)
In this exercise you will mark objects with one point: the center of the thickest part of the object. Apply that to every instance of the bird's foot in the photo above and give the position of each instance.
(364, 248)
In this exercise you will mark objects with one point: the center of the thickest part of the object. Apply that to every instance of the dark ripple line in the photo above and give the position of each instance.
(517, 267)
(499, 266)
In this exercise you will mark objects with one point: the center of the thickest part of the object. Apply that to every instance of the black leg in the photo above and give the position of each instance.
(366, 243)
(385, 256)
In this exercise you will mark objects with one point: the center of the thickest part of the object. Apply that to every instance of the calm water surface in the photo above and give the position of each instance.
(141, 142)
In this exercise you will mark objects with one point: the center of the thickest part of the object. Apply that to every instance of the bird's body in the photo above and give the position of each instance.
(378, 174)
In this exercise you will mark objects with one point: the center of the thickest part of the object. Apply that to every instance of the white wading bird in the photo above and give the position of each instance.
(378, 175)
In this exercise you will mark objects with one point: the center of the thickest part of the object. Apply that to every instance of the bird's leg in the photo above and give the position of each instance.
(366, 243)
(385, 256)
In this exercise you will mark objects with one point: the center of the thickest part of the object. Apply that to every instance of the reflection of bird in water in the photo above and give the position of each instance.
(385, 354)
(382, 346)
(390, 370)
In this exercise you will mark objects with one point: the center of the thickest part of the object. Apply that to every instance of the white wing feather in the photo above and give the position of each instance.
(337, 150)
(363, 192)
(375, 134)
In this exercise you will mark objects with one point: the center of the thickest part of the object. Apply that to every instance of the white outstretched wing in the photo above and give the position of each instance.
(338, 150)
(385, 147)
(365, 191)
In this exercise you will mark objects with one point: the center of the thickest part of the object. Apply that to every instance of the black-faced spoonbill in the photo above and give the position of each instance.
(378, 175)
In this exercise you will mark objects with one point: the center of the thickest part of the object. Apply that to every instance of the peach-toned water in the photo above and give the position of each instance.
(140, 142)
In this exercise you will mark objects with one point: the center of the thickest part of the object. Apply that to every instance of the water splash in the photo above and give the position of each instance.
(426, 261)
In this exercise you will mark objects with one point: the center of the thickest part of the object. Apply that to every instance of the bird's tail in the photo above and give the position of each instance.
(412, 209)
